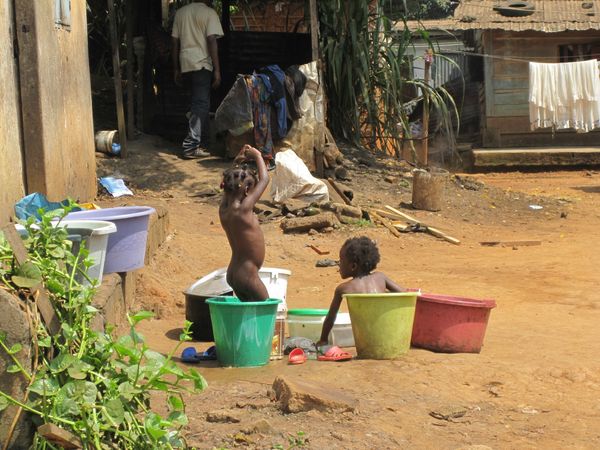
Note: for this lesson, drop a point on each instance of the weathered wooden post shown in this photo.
(428, 190)
(424, 150)
(114, 40)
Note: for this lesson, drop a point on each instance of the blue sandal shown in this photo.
(190, 355)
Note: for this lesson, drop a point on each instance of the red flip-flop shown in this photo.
(335, 354)
(297, 356)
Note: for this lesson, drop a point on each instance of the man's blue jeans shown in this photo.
(200, 82)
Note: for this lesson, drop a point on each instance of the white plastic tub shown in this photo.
(95, 235)
(341, 333)
(306, 323)
(215, 284)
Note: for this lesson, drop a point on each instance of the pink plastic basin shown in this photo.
(448, 324)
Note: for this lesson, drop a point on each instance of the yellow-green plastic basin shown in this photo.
(382, 323)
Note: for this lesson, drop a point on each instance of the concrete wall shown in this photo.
(11, 159)
(507, 87)
(56, 101)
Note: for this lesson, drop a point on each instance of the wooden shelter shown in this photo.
(507, 38)
(257, 33)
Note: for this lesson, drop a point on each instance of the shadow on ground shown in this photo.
(154, 164)
(588, 189)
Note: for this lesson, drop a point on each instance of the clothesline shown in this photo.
(508, 58)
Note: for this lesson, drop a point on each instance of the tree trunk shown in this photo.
(429, 189)
(302, 224)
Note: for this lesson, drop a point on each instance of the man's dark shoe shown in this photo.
(195, 154)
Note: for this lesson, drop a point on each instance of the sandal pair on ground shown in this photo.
(190, 355)
(297, 355)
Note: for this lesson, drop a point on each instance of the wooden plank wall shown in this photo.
(507, 87)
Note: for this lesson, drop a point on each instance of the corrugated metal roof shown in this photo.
(550, 16)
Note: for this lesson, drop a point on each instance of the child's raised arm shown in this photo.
(250, 153)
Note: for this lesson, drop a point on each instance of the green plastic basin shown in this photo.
(382, 323)
(243, 331)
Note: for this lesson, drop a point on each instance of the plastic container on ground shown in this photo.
(306, 323)
(278, 337)
(243, 330)
(215, 284)
(341, 333)
(95, 234)
(126, 249)
(105, 139)
(448, 324)
(382, 323)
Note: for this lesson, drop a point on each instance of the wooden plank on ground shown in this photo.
(59, 436)
(431, 230)
(389, 215)
(440, 234)
(510, 243)
(386, 223)
(401, 227)
(405, 216)
(38, 291)
(339, 191)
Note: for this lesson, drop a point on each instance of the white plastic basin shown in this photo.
(95, 234)
(215, 284)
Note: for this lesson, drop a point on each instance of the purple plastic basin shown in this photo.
(126, 248)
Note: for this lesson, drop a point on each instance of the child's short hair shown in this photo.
(236, 177)
(364, 252)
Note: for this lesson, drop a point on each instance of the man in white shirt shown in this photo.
(196, 29)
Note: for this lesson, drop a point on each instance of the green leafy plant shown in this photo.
(88, 382)
(299, 440)
(368, 75)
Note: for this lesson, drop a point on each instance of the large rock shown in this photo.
(298, 396)
(14, 323)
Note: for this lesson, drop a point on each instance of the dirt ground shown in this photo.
(536, 383)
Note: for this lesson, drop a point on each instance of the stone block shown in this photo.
(299, 396)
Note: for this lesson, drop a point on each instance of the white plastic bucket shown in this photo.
(215, 284)
(276, 281)
(95, 233)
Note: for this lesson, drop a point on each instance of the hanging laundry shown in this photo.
(564, 95)
(277, 81)
(260, 97)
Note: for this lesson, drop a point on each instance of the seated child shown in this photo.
(359, 256)
(242, 189)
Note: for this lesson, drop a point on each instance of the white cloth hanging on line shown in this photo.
(564, 95)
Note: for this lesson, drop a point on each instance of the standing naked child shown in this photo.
(242, 189)
(359, 256)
